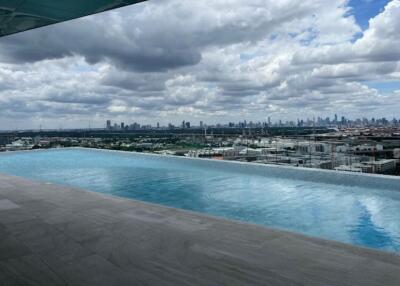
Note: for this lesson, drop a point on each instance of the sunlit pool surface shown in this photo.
(353, 214)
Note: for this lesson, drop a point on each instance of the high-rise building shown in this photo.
(108, 124)
(122, 125)
(201, 124)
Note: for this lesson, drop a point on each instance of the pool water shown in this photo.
(352, 214)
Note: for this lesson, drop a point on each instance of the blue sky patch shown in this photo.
(388, 86)
(364, 10)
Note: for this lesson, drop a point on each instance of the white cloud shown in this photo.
(207, 60)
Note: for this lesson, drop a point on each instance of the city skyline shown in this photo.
(300, 122)
(224, 60)
(320, 121)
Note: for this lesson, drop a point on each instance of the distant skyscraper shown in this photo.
(109, 124)
(201, 124)
(122, 125)
(158, 124)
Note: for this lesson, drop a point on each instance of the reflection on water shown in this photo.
(356, 215)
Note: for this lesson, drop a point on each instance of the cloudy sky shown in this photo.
(216, 61)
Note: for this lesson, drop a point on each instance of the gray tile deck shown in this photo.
(53, 235)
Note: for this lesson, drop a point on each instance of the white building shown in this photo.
(19, 145)
(352, 168)
(386, 166)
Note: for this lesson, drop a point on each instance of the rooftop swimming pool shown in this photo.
(356, 209)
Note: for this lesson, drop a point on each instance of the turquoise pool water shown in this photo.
(353, 214)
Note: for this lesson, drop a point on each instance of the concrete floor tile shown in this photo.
(11, 247)
(27, 271)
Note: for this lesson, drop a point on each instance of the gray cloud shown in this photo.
(222, 59)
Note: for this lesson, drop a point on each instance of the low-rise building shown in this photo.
(387, 166)
(20, 144)
(351, 168)
(396, 153)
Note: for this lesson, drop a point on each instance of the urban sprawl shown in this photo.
(360, 145)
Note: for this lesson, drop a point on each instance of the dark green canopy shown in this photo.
(20, 15)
